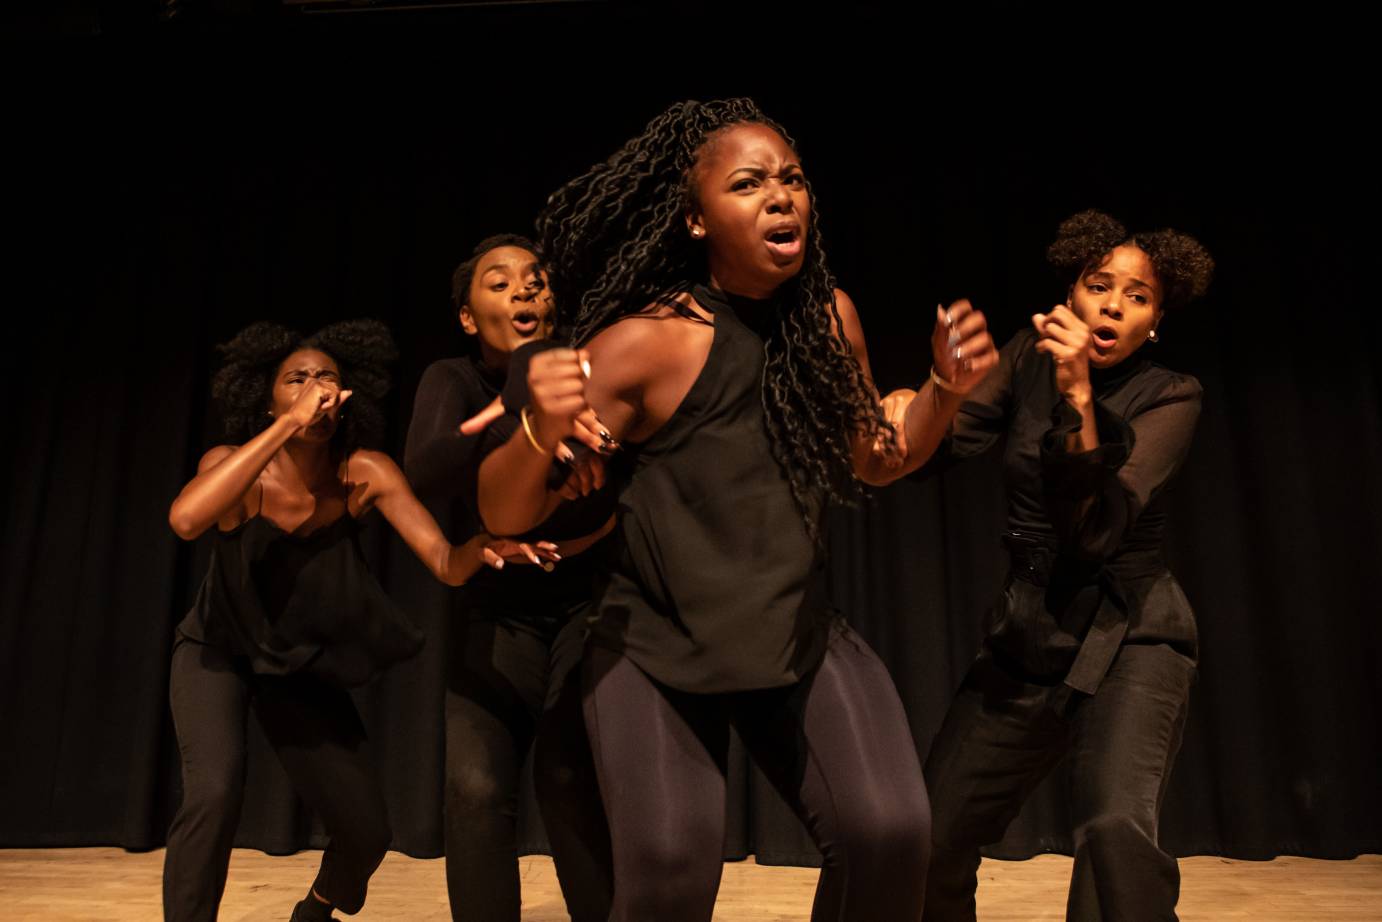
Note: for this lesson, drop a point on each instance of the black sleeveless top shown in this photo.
(714, 584)
(291, 604)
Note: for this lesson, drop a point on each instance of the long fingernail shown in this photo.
(604, 434)
(585, 367)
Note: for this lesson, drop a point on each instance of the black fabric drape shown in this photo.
(142, 254)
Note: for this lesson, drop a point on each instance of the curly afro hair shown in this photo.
(1183, 266)
(361, 349)
(465, 272)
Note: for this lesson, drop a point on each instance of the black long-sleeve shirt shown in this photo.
(443, 467)
(1087, 526)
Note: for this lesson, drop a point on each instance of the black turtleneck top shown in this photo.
(1086, 528)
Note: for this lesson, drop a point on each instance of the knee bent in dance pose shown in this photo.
(511, 682)
(714, 346)
(1092, 651)
(289, 616)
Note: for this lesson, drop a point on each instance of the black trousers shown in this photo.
(836, 746)
(1000, 737)
(317, 735)
(498, 703)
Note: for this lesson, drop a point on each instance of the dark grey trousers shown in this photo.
(1000, 737)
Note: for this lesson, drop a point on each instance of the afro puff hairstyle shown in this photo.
(361, 349)
(1183, 266)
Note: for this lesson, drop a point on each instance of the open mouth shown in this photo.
(784, 241)
(1104, 338)
(526, 322)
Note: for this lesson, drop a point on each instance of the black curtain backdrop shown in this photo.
(152, 218)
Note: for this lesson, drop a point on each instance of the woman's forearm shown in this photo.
(513, 492)
(1086, 438)
(927, 421)
(922, 428)
(462, 561)
(216, 490)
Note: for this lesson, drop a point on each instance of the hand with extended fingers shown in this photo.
(499, 550)
(961, 347)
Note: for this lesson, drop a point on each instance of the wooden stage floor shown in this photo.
(84, 884)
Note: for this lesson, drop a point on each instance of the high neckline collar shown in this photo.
(711, 297)
(1104, 379)
(493, 377)
(757, 314)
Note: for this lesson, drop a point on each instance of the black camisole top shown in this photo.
(299, 604)
(714, 584)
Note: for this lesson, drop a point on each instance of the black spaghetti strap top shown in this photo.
(714, 585)
(292, 604)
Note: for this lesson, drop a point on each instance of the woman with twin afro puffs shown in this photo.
(289, 615)
(1092, 650)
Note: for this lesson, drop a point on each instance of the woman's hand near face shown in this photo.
(1065, 338)
(315, 400)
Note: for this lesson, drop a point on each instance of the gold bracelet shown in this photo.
(528, 431)
(946, 385)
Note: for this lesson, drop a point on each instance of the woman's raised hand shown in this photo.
(1065, 337)
(556, 386)
(315, 400)
(961, 347)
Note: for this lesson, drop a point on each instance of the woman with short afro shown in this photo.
(289, 615)
(714, 346)
(1092, 647)
(512, 648)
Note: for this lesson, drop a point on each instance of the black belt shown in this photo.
(1034, 560)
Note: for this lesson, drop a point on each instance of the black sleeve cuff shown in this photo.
(1115, 440)
(515, 395)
